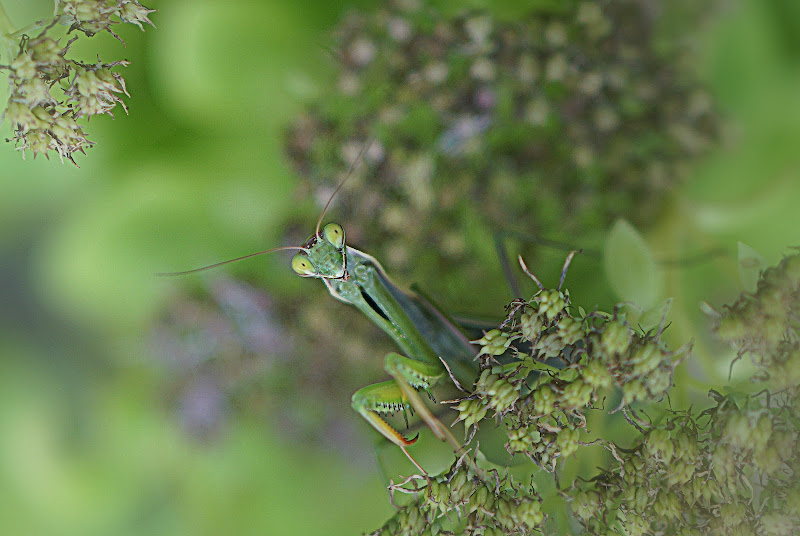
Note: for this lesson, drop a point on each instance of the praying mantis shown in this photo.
(433, 347)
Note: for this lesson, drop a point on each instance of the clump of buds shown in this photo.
(460, 502)
(561, 365)
(765, 325)
(50, 92)
(731, 469)
(534, 122)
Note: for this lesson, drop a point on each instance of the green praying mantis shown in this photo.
(433, 346)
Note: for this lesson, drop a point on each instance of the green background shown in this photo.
(89, 443)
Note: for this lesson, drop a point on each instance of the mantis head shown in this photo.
(323, 255)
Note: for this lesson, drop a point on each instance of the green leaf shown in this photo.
(630, 267)
(653, 316)
(751, 264)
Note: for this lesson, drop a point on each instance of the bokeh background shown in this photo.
(103, 431)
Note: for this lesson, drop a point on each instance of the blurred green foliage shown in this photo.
(91, 434)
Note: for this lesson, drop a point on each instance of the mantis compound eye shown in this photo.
(334, 234)
(303, 266)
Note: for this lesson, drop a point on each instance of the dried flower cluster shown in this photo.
(570, 363)
(731, 469)
(460, 502)
(50, 92)
(766, 325)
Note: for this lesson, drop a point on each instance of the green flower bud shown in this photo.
(645, 358)
(471, 411)
(723, 463)
(768, 460)
(596, 374)
(458, 481)
(762, 433)
(567, 442)
(660, 444)
(686, 447)
(46, 51)
(778, 524)
(529, 513)
(531, 325)
(658, 381)
(22, 117)
(503, 509)
(635, 525)
(518, 440)
(616, 337)
(570, 330)
(784, 442)
(550, 345)
(586, 504)
(633, 391)
(35, 92)
(486, 379)
(731, 329)
(737, 430)
(732, 514)
(576, 394)
(478, 499)
(133, 12)
(504, 395)
(680, 472)
(23, 66)
(494, 342)
(551, 303)
(667, 505)
(544, 399)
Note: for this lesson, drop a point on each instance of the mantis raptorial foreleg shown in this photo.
(409, 375)
(378, 399)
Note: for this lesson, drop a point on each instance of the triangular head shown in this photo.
(323, 255)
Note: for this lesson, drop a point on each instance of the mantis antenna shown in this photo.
(284, 248)
(339, 187)
(203, 268)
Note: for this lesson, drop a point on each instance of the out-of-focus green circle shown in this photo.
(233, 65)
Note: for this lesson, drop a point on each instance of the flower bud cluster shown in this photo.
(458, 502)
(50, 92)
(562, 366)
(701, 480)
(730, 470)
(450, 98)
(94, 16)
(766, 325)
